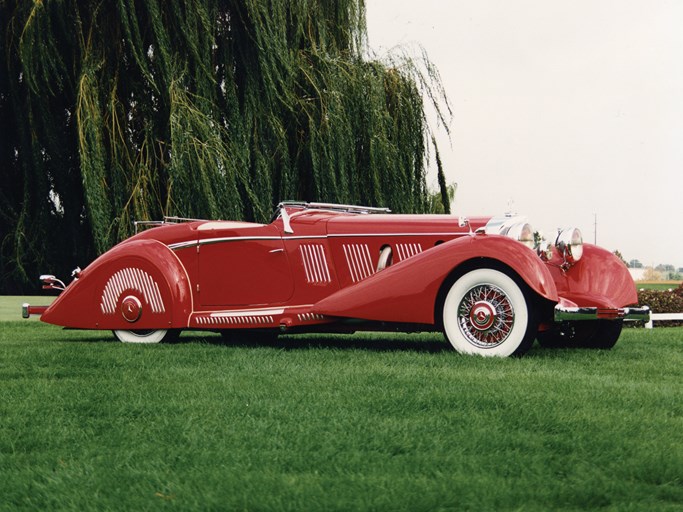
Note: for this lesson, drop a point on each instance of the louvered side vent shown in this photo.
(405, 251)
(315, 263)
(131, 279)
(310, 317)
(207, 320)
(359, 261)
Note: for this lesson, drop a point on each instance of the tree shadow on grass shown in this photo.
(75, 336)
(370, 341)
(417, 342)
(376, 342)
(384, 342)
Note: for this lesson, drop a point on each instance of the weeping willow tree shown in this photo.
(132, 109)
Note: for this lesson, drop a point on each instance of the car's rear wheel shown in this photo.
(486, 312)
(147, 336)
(234, 336)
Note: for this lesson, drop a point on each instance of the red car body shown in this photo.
(320, 267)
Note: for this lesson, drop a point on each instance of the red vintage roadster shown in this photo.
(490, 284)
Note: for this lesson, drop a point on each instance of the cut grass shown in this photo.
(657, 285)
(367, 422)
(10, 306)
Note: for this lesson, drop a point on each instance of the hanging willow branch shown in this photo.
(199, 108)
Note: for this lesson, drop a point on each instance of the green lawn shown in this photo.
(10, 305)
(654, 285)
(368, 422)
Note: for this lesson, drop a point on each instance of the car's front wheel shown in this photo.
(147, 336)
(598, 334)
(486, 312)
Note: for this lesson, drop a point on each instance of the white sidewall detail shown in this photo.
(132, 337)
(478, 277)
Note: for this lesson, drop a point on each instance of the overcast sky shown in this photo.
(567, 109)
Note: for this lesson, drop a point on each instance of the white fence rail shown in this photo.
(663, 316)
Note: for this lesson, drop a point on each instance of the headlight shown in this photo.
(515, 227)
(522, 232)
(570, 244)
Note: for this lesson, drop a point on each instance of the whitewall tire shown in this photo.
(487, 313)
(148, 336)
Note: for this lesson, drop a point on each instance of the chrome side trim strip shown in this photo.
(207, 241)
(253, 311)
(248, 312)
(194, 243)
(182, 245)
(360, 235)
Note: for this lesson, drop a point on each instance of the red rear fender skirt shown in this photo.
(139, 284)
(407, 291)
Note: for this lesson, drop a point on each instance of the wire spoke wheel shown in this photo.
(486, 316)
(486, 312)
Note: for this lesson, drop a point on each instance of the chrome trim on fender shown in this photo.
(183, 245)
(208, 241)
(563, 314)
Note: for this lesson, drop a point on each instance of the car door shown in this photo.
(242, 264)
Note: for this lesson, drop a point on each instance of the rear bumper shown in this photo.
(27, 310)
(564, 313)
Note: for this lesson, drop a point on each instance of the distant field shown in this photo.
(365, 422)
(657, 285)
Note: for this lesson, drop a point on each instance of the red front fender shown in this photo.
(407, 291)
(599, 279)
(145, 271)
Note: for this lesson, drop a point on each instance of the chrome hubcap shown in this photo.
(485, 316)
(131, 308)
(482, 315)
